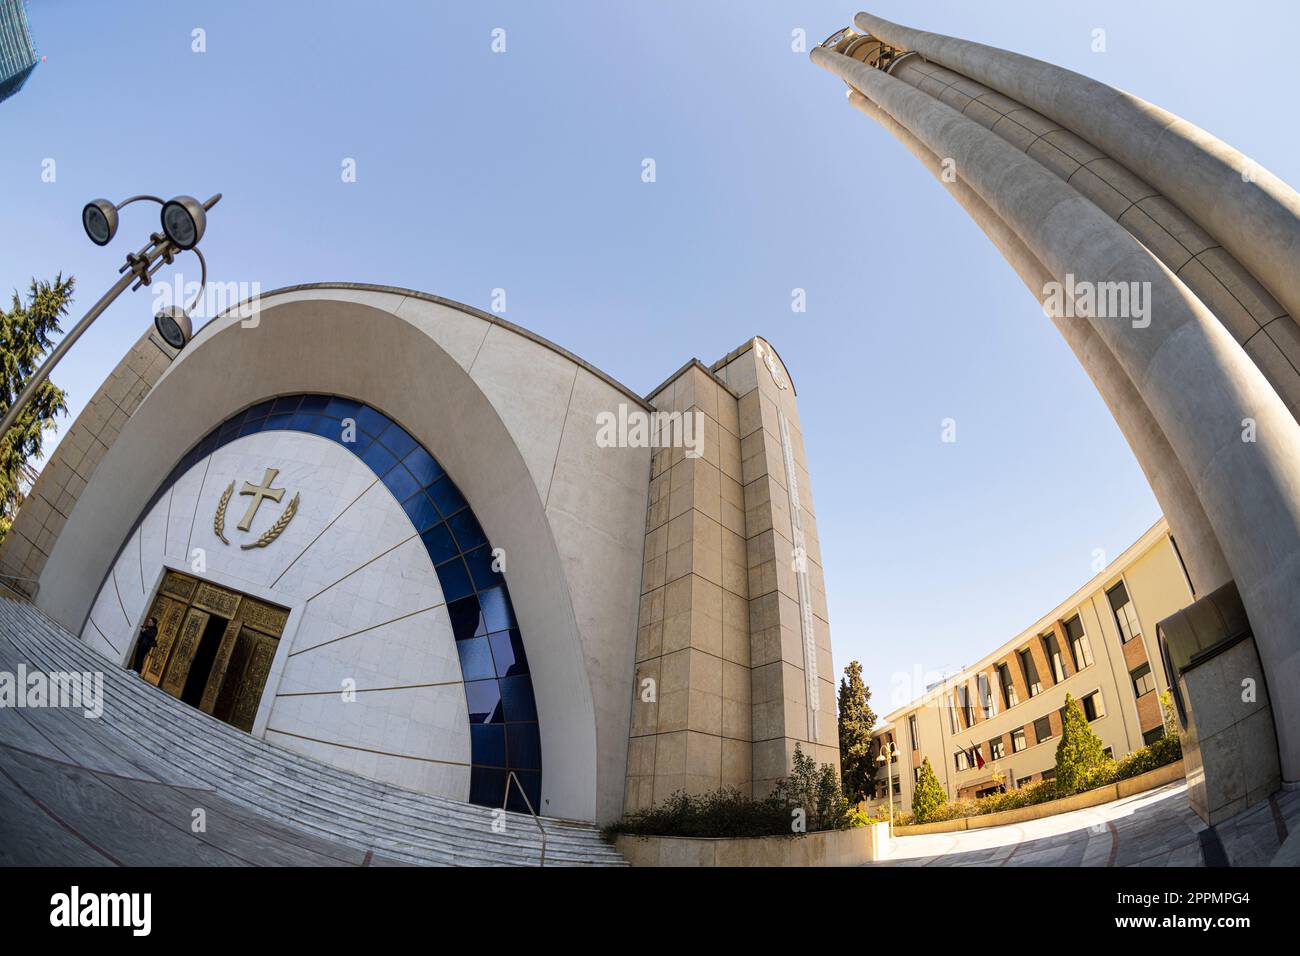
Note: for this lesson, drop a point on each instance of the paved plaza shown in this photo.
(1156, 828)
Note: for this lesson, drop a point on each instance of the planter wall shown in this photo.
(828, 848)
(1079, 801)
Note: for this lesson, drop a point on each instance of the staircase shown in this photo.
(152, 729)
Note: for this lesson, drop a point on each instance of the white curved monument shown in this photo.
(414, 541)
(1168, 262)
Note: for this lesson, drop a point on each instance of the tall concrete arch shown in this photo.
(1190, 373)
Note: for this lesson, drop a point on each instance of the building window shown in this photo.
(1049, 774)
(1125, 614)
(916, 774)
(1093, 708)
(962, 760)
(1151, 736)
(1009, 698)
(1031, 672)
(1080, 650)
(1053, 652)
(897, 788)
(996, 748)
(967, 706)
(1018, 742)
(986, 695)
(1042, 729)
(911, 731)
(952, 716)
(1144, 682)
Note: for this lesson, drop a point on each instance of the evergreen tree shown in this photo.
(25, 337)
(1079, 755)
(929, 794)
(855, 722)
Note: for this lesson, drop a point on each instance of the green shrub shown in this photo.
(929, 796)
(726, 812)
(1081, 760)
(1168, 749)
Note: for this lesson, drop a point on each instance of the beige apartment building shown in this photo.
(1098, 645)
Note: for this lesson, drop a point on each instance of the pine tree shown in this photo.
(855, 722)
(25, 337)
(929, 795)
(1079, 755)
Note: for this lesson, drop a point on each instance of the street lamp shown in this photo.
(886, 757)
(183, 221)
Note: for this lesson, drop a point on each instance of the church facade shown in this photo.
(411, 540)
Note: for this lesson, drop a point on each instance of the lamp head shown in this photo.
(183, 221)
(174, 325)
(99, 219)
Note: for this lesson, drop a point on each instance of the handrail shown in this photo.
(510, 775)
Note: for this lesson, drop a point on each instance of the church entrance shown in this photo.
(215, 647)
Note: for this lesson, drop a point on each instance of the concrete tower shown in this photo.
(1084, 187)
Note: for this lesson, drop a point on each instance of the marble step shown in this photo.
(235, 781)
(175, 749)
(368, 814)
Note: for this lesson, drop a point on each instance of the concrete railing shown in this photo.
(1079, 801)
(851, 847)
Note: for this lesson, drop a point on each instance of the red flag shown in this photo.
(979, 758)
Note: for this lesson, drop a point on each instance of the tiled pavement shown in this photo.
(1156, 828)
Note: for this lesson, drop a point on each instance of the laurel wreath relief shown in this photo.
(274, 531)
(219, 522)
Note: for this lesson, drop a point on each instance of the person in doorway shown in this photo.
(147, 642)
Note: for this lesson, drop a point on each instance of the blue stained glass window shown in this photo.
(497, 613)
(504, 733)
(475, 659)
(484, 700)
(480, 568)
(487, 786)
(465, 618)
(401, 484)
(525, 746)
(343, 408)
(454, 579)
(379, 458)
(421, 464)
(517, 696)
(446, 496)
(467, 531)
(437, 541)
(488, 746)
(396, 440)
(508, 653)
(315, 404)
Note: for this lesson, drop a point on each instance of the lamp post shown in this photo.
(183, 221)
(886, 757)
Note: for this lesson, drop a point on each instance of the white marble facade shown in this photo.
(364, 598)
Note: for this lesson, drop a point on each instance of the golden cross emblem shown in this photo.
(264, 490)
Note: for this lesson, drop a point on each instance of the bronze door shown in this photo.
(187, 608)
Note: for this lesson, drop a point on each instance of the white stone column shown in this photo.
(1197, 544)
(1253, 213)
(1197, 381)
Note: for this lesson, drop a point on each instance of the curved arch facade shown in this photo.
(511, 420)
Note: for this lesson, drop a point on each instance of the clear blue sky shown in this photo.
(522, 171)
